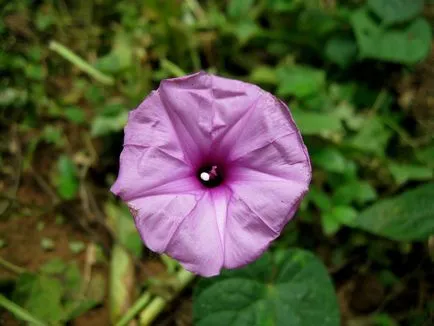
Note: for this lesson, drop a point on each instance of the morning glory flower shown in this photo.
(212, 169)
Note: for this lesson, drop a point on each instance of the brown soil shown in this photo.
(22, 231)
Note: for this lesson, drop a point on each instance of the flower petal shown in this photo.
(269, 198)
(158, 217)
(265, 121)
(188, 103)
(196, 244)
(257, 212)
(148, 171)
(150, 126)
(285, 157)
(246, 235)
(267, 187)
(232, 101)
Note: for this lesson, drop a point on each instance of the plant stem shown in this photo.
(196, 9)
(19, 312)
(11, 267)
(80, 63)
(135, 309)
(152, 311)
(157, 305)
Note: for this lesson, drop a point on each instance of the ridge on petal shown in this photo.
(196, 242)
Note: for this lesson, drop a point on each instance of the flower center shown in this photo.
(210, 176)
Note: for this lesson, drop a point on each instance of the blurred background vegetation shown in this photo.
(358, 76)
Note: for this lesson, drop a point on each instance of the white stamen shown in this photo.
(205, 176)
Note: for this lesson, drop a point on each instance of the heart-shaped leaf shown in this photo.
(290, 288)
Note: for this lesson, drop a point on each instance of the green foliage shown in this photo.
(288, 288)
(239, 8)
(396, 11)
(408, 172)
(53, 295)
(354, 191)
(121, 280)
(350, 73)
(372, 137)
(75, 114)
(407, 217)
(41, 295)
(300, 81)
(405, 45)
(311, 123)
(67, 181)
(113, 117)
(341, 50)
(338, 216)
(120, 57)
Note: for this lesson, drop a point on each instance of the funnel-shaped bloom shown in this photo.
(212, 170)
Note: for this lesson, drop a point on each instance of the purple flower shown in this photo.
(212, 170)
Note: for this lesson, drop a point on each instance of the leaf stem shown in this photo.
(80, 63)
(152, 311)
(11, 267)
(138, 306)
(19, 312)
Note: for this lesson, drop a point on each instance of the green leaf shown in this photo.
(372, 137)
(339, 215)
(396, 11)
(19, 312)
(319, 198)
(324, 22)
(120, 57)
(426, 155)
(121, 282)
(407, 217)
(284, 5)
(76, 246)
(41, 295)
(345, 111)
(383, 320)
(71, 280)
(292, 288)
(356, 191)
(319, 102)
(75, 114)
(408, 172)
(239, 8)
(408, 45)
(103, 125)
(330, 159)
(35, 72)
(313, 123)
(53, 135)
(263, 75)
(300, 81)
(67, 181)
(62, 284)
(341, 50)
(54, 266)
(245, 30)
(75, 309)
(330, 225)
